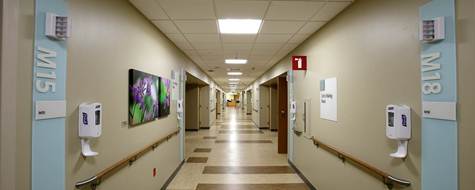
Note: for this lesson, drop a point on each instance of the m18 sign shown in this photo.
(299, 62)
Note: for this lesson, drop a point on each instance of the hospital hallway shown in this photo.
(234, 154)
(237, 94)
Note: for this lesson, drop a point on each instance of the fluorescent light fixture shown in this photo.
(239, 26)
(235, 61)
(233, 83)
(234, 79)
(234, 73)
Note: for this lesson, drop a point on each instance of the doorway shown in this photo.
(218, 104)
(273, 94)
(192, 102)
(249, 102)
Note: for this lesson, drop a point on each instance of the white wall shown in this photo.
(110, 37)
(369, 65)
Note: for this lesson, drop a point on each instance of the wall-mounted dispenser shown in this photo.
(179, 109)
(57, 27)
(398, 127)
(432, 30)
(90, 125)
(293, 109)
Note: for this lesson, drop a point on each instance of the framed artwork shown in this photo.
(143, 97)
(164, 97)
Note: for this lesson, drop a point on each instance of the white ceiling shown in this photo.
(192, 25)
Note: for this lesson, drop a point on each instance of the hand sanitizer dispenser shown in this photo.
(398, 127)
(90, 126)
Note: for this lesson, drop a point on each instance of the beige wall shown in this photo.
(466, 91)
(366, 47)
(108, 38)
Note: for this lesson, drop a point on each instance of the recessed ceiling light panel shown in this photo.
(234, 79)
(235, 61)
(235, 73)
(239, 26)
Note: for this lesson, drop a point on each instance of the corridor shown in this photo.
(234, 151)
(237, 94)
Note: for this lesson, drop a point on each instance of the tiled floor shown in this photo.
(241, 157)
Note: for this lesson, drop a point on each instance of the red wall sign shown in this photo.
(299, 62)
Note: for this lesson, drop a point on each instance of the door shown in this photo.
(218, 103)
(282, 129)
(264, 109)
(204, 107)
(274, 109)
(249, 103)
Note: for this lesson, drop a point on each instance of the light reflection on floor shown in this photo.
(233, 153)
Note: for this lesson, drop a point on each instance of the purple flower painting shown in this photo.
(164, 97)
(143, 97)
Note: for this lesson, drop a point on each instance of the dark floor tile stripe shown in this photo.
(243, 141)
(197, 160)
(282, 186)
(248, 170)
(241, 132)
(202, 150)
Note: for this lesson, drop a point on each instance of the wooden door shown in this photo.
(282, 130)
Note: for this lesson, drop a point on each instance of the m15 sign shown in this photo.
(299, 62)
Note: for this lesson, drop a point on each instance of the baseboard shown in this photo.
(204, 127)
(170, 179)
(248, 113)
(305, 180)
(273, 129)
(191, 129)
(264, 128)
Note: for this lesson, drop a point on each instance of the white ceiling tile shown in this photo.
(235, 38)
(259, 58)
(203, 38)
(299, 38)
(288, 47)
(210, 52)
(236, 53)
(166, 26)
(311, 27)
(330, 10)
(176, 38)
(207, 46)
(281, 27)
(241, 9)
(184, 46)
(188, 9)
(273, 38)
(237, 46)
(195, 26)
(293, 10)
(150, 9)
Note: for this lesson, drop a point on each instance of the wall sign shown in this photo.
(49, 92)
(328, 99)
(299, 62)
(439, 97)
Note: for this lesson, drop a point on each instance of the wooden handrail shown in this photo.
(387, 179)
(95, 180)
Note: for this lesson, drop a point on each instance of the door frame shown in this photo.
(8, 71)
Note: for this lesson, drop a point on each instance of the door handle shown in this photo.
(282, 112)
